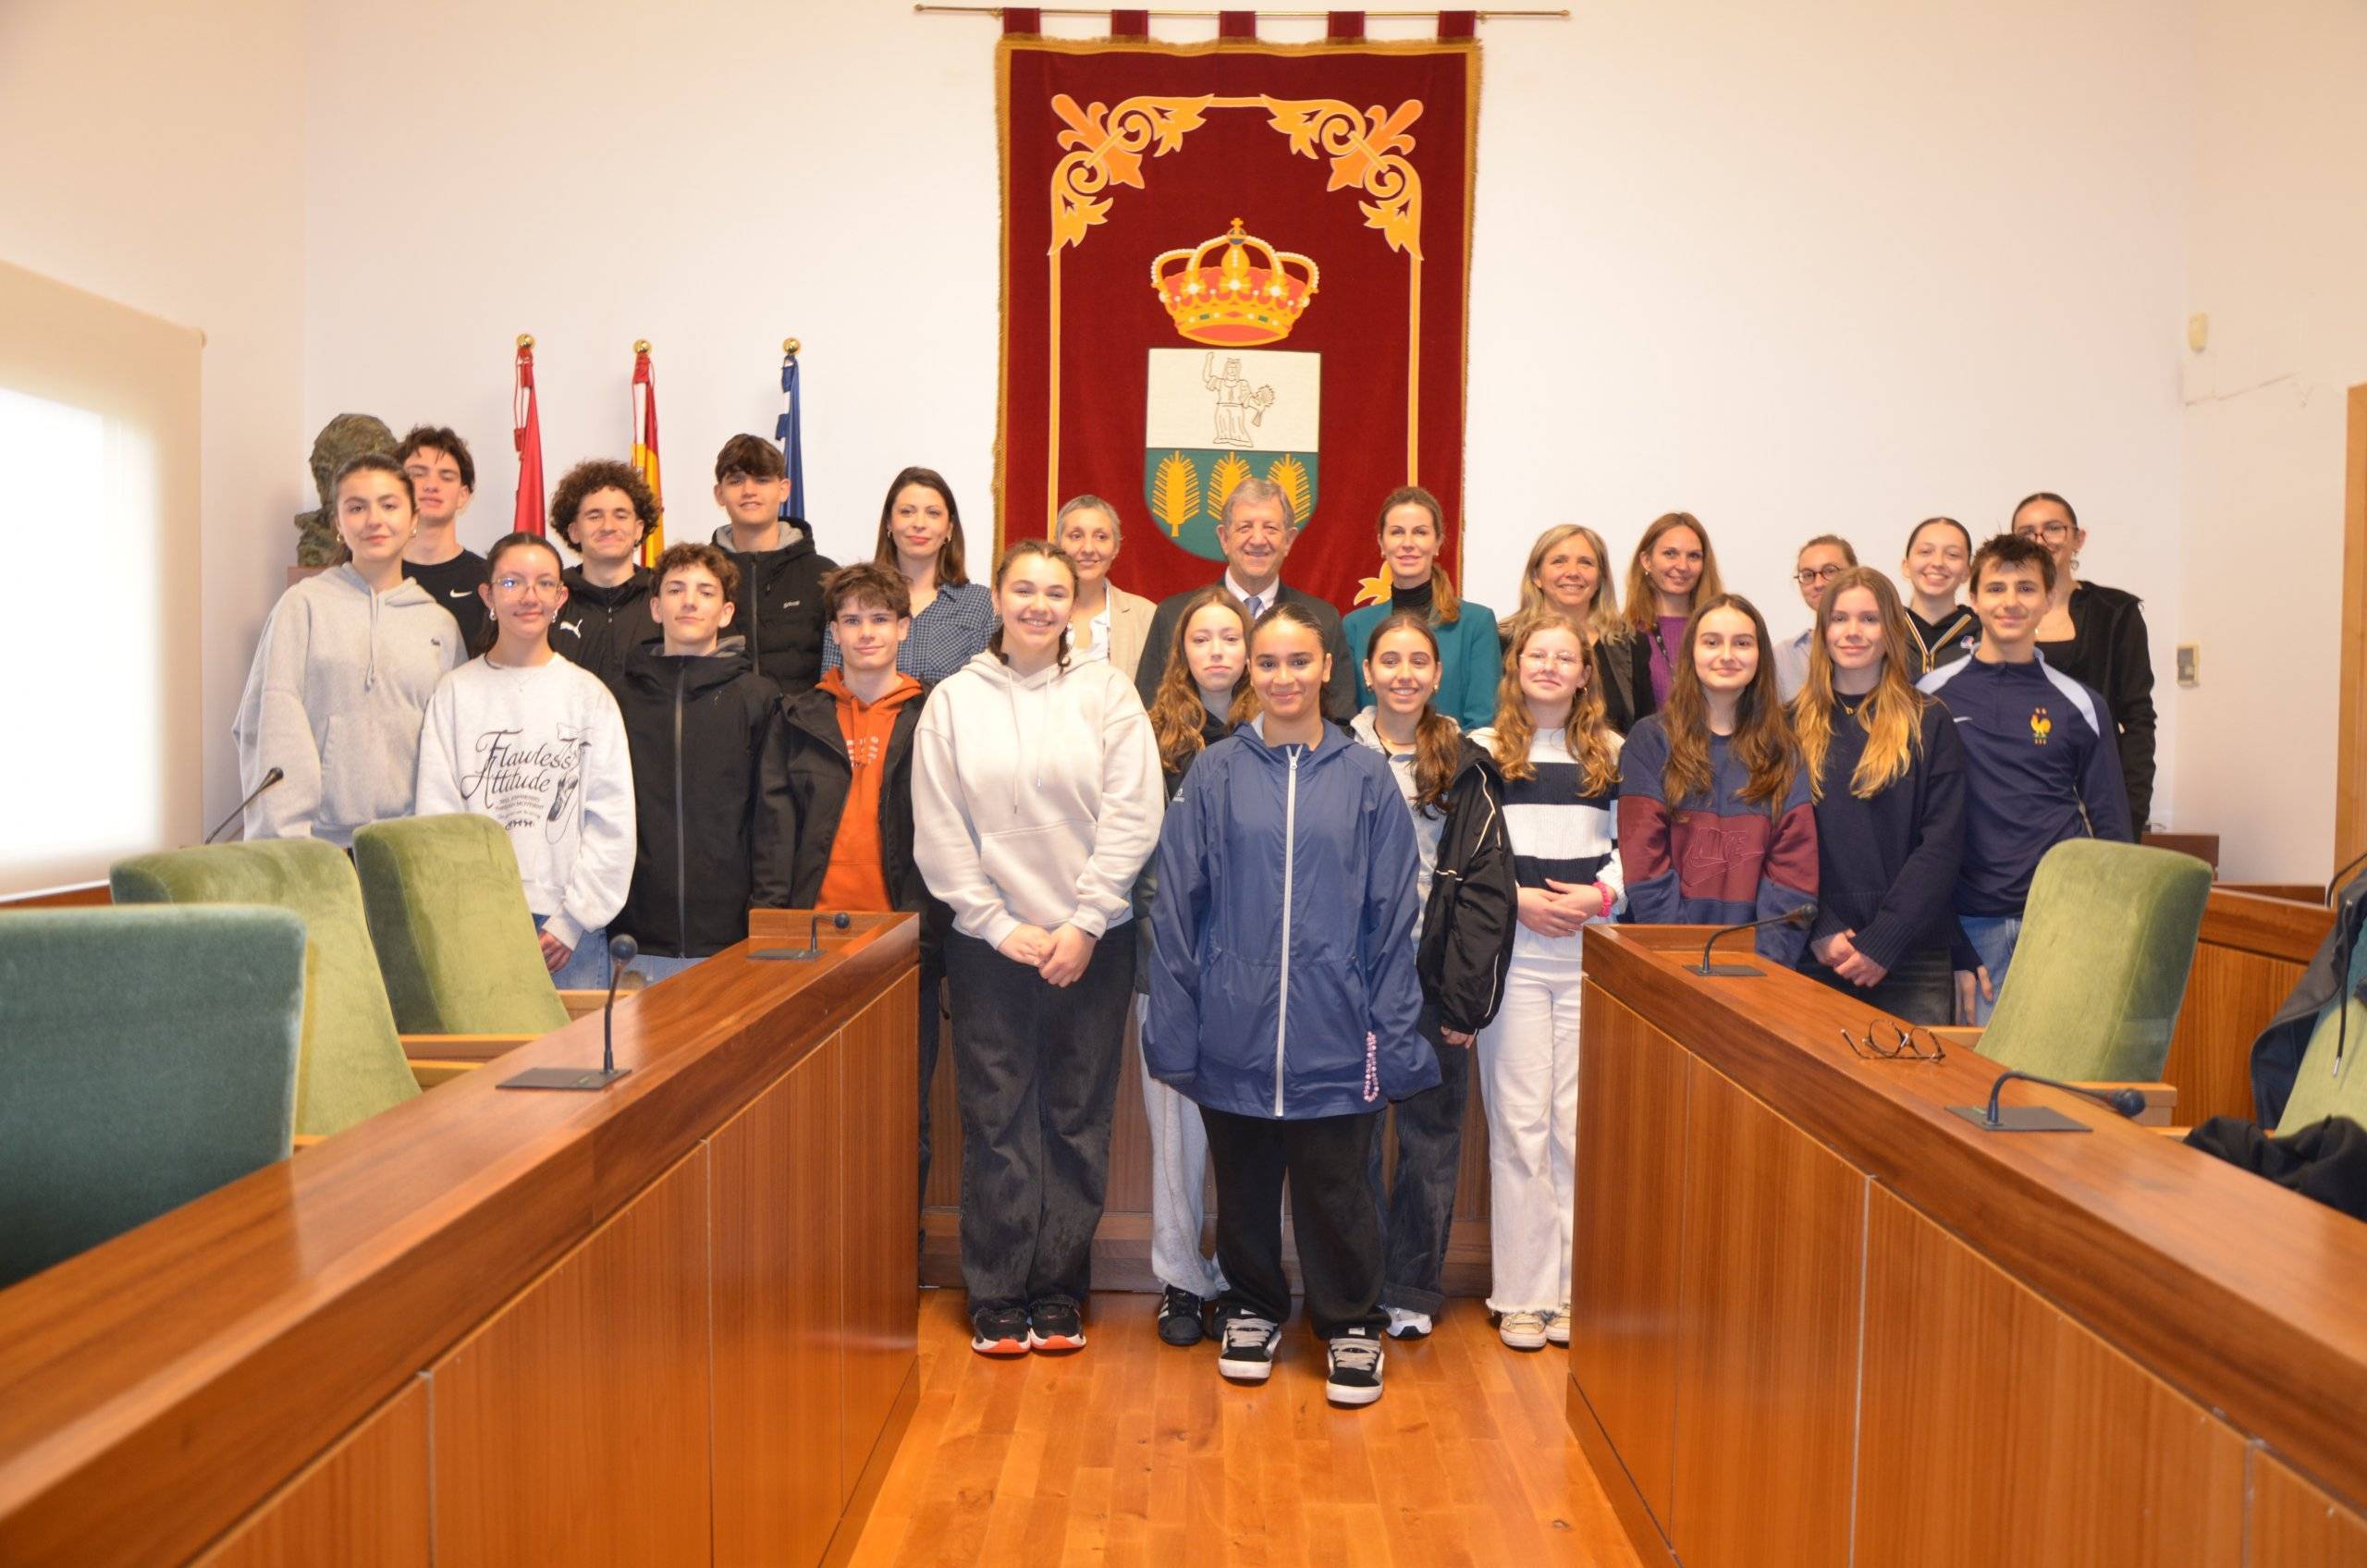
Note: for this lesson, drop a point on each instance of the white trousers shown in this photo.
(1179, 1176)
(1529, 1083)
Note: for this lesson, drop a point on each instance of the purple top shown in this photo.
(1671, 635)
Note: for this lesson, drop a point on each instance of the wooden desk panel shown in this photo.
(2296, 1526)
(878, 1328)
(1996, 1429)
(573, 1426)
(1768, 1308)
(1623, 1271)
(364, 1504)
(777, 1318)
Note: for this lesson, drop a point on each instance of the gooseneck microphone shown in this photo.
(622, 950)
(1800, 916)
(813, 947)
(1993, 1118)
(270, 778)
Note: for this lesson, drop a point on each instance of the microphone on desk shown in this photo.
(1800, 916)
(622, 950)
(813, 947)
(2038, 1118)
(273, 777)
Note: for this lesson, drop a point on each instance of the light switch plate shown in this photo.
(2190, 664)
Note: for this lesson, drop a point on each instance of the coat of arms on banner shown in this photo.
(1216, 417)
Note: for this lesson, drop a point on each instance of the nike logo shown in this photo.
(457, 594)
(790, 603)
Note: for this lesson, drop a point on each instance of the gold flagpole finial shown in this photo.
(525, 340)
(641, 345)
(791, 345)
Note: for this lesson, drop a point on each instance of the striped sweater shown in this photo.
(1558, 832)
(1714, 861)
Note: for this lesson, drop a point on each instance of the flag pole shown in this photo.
(644, 447)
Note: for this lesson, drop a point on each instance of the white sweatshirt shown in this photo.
(1036, 800)
(334, 699)
(541, 752)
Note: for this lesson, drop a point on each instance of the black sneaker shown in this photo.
(1248, 1352)
(1053, 1324)
(1180, 1317)
(1356, 1370)
(998, 1330)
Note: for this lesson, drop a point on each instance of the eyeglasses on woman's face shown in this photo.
(2051, 531)
(1810, 576)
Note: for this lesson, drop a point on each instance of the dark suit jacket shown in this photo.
(1339, 693)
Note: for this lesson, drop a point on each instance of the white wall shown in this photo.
(1830, 265)
(153, 158)
(2277, 256)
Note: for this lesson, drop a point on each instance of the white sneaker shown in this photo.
(1249, 1344)
(1407, 1325)
(1557, 1327)
(1522, 1330)
(1354, 1370)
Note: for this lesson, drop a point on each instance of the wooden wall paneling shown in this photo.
(2350, 777)
(362, 1504)
(2292, 1523)
(777, 1315)
(880, 1312)
(1774, 1226)
(1994, 1430)
(574, 1426)
(1628, 1229)
(2230, 996)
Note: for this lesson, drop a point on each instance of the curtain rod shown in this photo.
(1561, 15)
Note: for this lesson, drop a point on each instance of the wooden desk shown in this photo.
(1817, 1320)
(671, 1322)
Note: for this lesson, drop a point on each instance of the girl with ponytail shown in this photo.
(1454, 792)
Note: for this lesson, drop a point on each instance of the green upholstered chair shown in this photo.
(353, 1065)
(2325, 1086)
(2101, 967)
(148, 1057)
(456, 943)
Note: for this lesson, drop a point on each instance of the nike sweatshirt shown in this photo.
(1035, 799)
(339, 685)
(541, 752)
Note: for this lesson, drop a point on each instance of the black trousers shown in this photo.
(1922, 990)
(932, 1021)
(1419, 1210)
(1338, 1224)
(1036, 1069)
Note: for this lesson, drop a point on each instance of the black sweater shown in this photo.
(1886, 868)
(781, 607)
(2109, 651)
(599, 628)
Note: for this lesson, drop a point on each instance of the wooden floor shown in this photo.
(1133, 1452)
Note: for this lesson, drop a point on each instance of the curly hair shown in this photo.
(600, 473)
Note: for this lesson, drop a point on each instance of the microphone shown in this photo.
(2038, 1118)
(813, 947)
(1800, 916)
(273, 777)
(622, 950)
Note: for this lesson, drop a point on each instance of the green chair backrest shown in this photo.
(353, 1065)
(148, 1057)
(456, 942)
(2324, 1086)
(2101, 967)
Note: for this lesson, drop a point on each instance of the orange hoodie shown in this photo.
(853, 879)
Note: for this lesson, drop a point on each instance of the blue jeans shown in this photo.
(1993, 937)
(586, 968)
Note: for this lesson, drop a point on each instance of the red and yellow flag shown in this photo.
(526, 435)
(644, 448)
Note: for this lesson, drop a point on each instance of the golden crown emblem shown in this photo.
(1233, 300)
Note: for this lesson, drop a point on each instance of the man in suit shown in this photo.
(1256, 532)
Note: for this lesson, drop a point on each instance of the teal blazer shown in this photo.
(1470, 657)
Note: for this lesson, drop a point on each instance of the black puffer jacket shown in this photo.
(695, 728)
(1467, 925)
(599, 628)
(781, 607)
(806, 775)
(2111, 652)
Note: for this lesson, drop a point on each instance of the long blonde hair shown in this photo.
(1642, 606)
(1762, 739)
(1601, 623)
(1177, 714)
(1592, 744)
(1891, 714)
(1446, 604)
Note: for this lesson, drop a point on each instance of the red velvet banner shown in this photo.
(1232, 260)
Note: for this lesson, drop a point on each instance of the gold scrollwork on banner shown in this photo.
(1367, 151)
(1107, 147)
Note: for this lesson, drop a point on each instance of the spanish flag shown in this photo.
(644, 447)
(526, 435)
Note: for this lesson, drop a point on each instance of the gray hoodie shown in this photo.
(1035, 799)
(336, 698)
